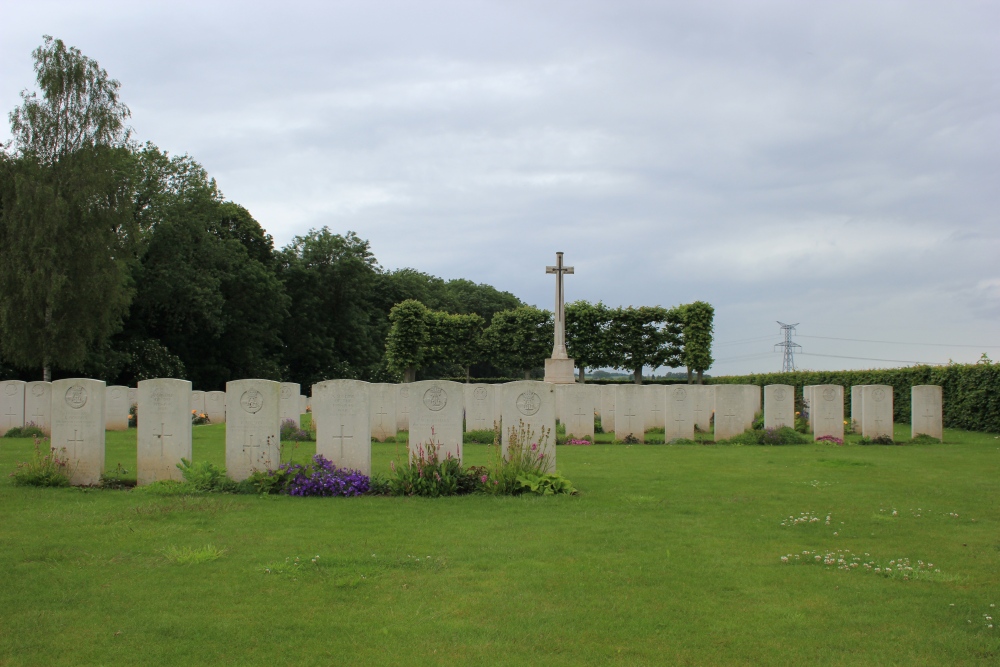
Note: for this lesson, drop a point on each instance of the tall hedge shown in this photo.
(971, 391)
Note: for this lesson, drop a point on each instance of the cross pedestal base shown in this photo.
(560, 371)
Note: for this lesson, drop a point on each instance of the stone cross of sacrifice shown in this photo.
(559, 346)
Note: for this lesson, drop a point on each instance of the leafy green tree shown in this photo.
(520, 338)
(68, 236)
(408, 340)
(698, 326)
(643, 336)
(334, 332)
(454, 340)
(587, 335)
(206, 285)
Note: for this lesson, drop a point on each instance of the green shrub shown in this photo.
(924, 439)
(29, 430)
(43, 469)
(479, 437)
(549, 484)
(769, 436)
(880, 440)
(379, 485)
(116, 479)
(205, 476)
(525, 457)
(426, 474)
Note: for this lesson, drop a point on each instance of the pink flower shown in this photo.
(483, 479)
(534, 446)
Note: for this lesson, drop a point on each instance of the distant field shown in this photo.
(670, 555)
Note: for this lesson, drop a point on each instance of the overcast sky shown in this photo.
(832, 164)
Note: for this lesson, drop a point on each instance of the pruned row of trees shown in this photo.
(521, 338)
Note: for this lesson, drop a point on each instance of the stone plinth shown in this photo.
(480, 407)
(78, 427)
(578, 410)
(827, 411)
(436, 411)
(532, 403)
(11, 405)
(383, 410)
(38, 405)
(731, 405)
(163, 435)
(876, 420)
(253, 418)
(630, 409)
(779, 406)
(116, 408)
(926, 411)
(560, 371)
(678, 412)
(341, 410)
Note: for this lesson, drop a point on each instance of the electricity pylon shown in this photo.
(788, 360)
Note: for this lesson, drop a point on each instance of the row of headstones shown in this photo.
(348, 413)
(342, 410)
(23, 403)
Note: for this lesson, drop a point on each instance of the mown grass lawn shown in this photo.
(669, 555)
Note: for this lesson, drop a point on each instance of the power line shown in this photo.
(896, 342)
(895, 361)
(746, 357)
(745, 340)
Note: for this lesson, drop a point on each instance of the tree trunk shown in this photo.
(689, 375)
(637, 376)
(527, 375)
(410, 375)
(583, 377)
(700, 377)
(467, 374)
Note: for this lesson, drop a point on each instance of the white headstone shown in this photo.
(480, 406)
(78, 427)
(198, 402)
(630, 409)
(608, 408)
(341, 411)
(808, 395)
(290, 403)
(751, 397)
(11, 405)
(678, 402)
(133, 396)
(926, 411)
(578, 408)
(731, 406)
(779, 406)
(402, 407)
(436, 409)
(654, 396)
(116, 408)
(215, 406)
(38, 405)
(252, 427)
(703, 406)
(827, 411)
(163, 434)
(857, 408)
(383, 410)
(876, 420)
(533, 404)
(12, 398)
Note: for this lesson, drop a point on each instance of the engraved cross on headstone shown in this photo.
(929, 420)
(630, 412)
(249, 444)
(341, 438)
(382, 413)
(161, 435)
(559, 345)
(580, 414)
(76, 438)
(11, 416)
